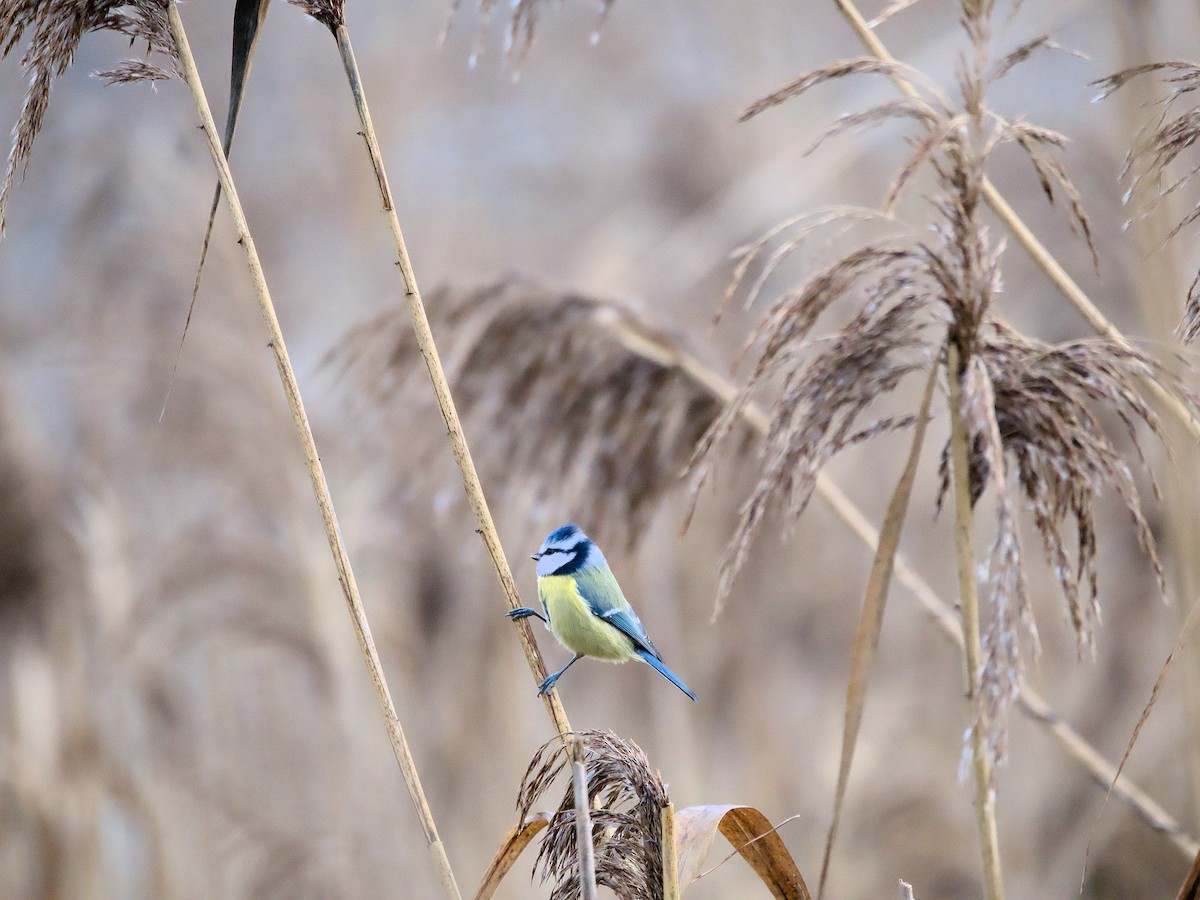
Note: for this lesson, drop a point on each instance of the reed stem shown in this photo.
(670, 853)
(441, 388)
(316, 472)
(964, 545)
(583, 824)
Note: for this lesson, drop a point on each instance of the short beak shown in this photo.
(536, 556)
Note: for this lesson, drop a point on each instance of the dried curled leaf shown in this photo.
(518, 838)
(579, 397)
(627, 798)
(57, 27)
(752, 836)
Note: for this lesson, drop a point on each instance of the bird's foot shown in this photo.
(524, 612)
(546, 686)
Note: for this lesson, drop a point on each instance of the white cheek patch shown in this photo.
(550, 561)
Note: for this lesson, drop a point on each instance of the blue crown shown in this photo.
(563, 532)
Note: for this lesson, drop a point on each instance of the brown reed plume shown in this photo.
(628, 797)
(563, 361)
(56, 29)
(1157, 148)
(1000, 405)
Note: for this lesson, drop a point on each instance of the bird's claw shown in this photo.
(546, 686)
(523, 612)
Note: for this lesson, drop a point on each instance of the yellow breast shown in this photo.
(574, 624)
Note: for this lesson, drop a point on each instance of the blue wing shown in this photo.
(599, 589)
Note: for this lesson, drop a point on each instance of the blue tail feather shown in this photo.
(661, 666)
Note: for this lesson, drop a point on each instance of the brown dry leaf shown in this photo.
(866, 638)
(751, 834)
(514, 844)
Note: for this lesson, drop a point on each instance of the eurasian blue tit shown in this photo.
(585, 609)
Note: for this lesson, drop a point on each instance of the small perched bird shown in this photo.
(585, 609)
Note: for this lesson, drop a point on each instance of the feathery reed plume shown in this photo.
(611, 427)
(627, 796)
(998, 406)
(57, 27)
(1045, 260)
(901, 286)
(816, 411)
(1155, 149)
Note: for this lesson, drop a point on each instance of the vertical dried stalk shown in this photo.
(458, 440)
(1157, 289)
(1066, 285)
(670, 852)
(320, 488)
(583, 825)
(964, 545)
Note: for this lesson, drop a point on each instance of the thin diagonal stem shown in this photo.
(441, 388)
(1066, 285)
(291, 391)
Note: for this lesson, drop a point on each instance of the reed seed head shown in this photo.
(57, 27)
(627, 797)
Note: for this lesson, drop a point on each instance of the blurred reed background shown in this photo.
(182, 710)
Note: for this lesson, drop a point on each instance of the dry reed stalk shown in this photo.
(291, 389)
(330, 13)
(583, 825)
(1045, 260)
(670, 849)
(964, 545)
(1157, 290)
